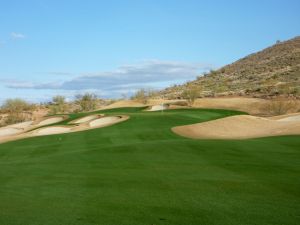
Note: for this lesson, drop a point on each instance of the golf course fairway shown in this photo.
(139, 172)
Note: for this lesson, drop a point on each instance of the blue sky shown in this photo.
(115, 47)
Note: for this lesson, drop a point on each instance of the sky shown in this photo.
(113, 48)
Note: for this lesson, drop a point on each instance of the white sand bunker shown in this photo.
(85, 119)
(158, 107)
(7, 131)
(51, 120)
(52, 130)
(239, 127)
(105, 121)
(12, 133)
(14, 129)
(22, 125)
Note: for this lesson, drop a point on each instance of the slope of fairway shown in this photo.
(139, 172)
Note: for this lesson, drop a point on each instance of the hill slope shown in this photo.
(271, 72)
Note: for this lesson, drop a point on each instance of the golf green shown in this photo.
(140, 173)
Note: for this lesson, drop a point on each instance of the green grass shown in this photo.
(140, 173)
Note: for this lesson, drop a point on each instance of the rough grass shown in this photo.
(138, 172)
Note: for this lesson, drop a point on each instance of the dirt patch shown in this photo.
(253, 106)
(240, 127)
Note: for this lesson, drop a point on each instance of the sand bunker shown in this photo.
(158, 107)
(51, 120)
(7, 131)
(240, 127)
(22, 125)
(85, 119)
(52, 130)
(105, 121)
(27, 129)
(291, 118)
(14, 129)
(124, 103)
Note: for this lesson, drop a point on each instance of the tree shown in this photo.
(87, 102)
(15, 108)
(191, 94)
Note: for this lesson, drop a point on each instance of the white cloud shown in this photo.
(15, 35)
(154, 74)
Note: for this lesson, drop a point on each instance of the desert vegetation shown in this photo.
(58, 105)
(282, 106)
(191, 94)
(272, 72)
(143, 95)
(17, 110)
(86, 102)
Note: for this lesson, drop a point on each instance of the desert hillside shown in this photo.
(274, 71)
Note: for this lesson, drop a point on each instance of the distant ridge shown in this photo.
(274, 71)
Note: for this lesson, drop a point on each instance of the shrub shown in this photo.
(87, 102)
(141, 95)
(282, 106)
(15, 109)
(58, 105)
(191, 94)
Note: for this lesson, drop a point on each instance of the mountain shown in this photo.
(274, 71)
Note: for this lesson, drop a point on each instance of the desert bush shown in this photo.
(191, 94)
(281, 106)
(58, 105)
(141, 95)
(15, 109)
(87, 101)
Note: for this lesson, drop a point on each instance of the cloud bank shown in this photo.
(154, 74)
